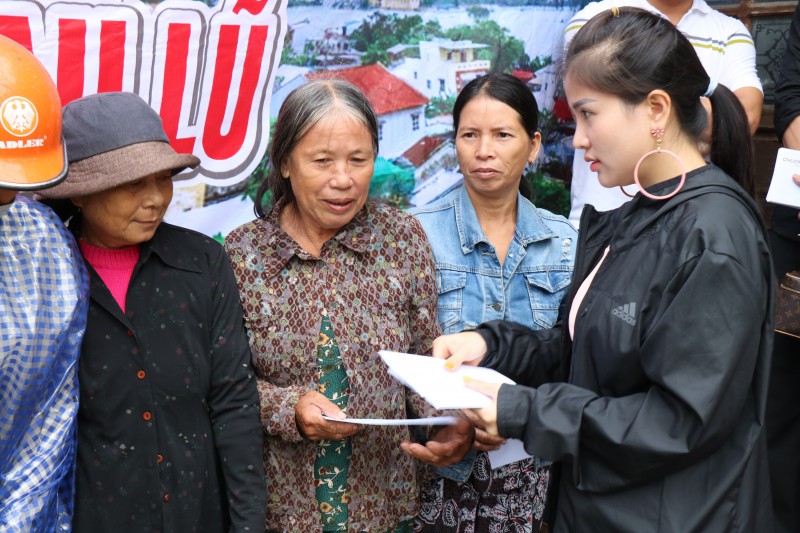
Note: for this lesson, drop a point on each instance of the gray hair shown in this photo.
(303, 109)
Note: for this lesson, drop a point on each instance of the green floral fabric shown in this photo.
(333, 456)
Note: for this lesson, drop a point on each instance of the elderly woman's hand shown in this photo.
(447, 447)
(308, 415)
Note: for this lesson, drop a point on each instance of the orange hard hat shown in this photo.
(32, 151)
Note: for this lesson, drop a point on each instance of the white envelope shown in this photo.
(782, 189)
(445, 389)
(441, 388)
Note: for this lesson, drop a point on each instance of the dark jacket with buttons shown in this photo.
(169, 437)
(655, 408)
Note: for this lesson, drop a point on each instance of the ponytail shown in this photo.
(731, 143)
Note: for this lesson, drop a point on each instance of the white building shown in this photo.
(443, 67)
(395, 4)
(543, 86)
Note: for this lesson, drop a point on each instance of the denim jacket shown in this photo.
(474, 287)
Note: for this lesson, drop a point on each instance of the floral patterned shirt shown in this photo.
(376, 280)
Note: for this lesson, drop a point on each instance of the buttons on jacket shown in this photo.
(496, 306)
(160, 458)
(130, 333)
(141, 374)
(147, 416)
(166, 497)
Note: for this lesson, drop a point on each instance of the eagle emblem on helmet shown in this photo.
(19, 116)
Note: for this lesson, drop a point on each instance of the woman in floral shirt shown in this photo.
(327, 279)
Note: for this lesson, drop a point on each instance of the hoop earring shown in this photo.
(658, 133)
(626, 193)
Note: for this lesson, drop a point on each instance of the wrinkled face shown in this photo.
(493, 147)
(125, 215)
(615, 135)
(330, 170)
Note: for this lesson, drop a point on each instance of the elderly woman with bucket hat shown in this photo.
(169, 437)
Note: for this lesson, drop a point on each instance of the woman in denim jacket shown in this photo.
(497, 257)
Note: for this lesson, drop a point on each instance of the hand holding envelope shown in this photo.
(469, 388)
(441, 387)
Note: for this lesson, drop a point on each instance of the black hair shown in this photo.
(504, 88)
(509, 90)
(631, 52)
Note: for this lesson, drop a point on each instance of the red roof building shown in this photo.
(523, 75)
(386, 92)
(422, 150)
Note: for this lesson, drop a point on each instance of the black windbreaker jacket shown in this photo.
(656, 408)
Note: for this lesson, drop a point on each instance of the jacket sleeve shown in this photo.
(699, 355)
(233, 405)
(529, 357)
(787, 90)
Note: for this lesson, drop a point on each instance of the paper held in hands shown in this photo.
(782, 189)
(431, 421)
(444, 389)
(441, 388)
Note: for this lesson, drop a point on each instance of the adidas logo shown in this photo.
(626, 312)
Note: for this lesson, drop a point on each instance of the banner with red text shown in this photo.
(208, 71)
(217, 71)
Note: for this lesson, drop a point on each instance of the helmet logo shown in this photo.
(19, 116)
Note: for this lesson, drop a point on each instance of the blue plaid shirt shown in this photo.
(43, 304)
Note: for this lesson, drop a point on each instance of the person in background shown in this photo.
(43, 302)
(783, 407)
(497, 257)
(653, 395)
(726, 51)
(328, 278)
(168, 431)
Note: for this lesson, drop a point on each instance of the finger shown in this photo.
(441, 347)
(444, 451)
(326, 406)
(472, 417)
(796, 178)
(340, 430)
(488, 439)
(333, 411)
(484, 387)
(455, 360)
(418, 451)
(485, 447)
(486, 442)
(341, 427)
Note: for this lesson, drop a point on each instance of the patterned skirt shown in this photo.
(509, 499)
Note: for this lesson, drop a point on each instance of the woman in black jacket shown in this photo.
(169, 437)
(652, 395)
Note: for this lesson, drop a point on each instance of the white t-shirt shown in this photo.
(725, 49)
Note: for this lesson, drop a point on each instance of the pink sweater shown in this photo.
(115, 267)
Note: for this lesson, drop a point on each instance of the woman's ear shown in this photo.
(659, 106)
(536, 144)
(77, 201)
(285, 168)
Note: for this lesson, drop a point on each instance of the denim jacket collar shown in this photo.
(530, 226)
